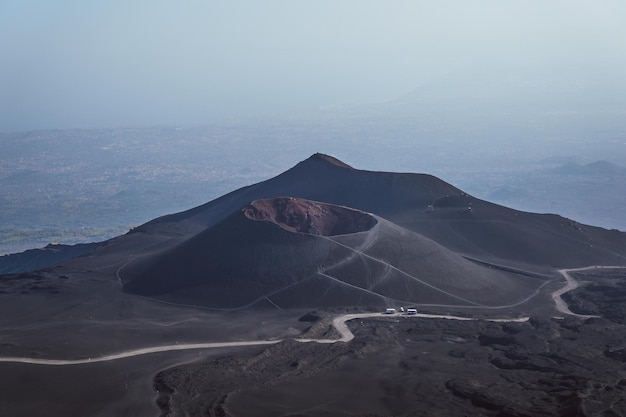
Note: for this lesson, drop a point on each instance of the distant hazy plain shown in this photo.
(74, 186)
(494, 97)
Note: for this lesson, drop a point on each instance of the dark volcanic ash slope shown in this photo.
(421, 203)
(244, 259)
(291, 252)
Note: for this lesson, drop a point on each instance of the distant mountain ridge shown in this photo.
(593, 168)
(34, 259)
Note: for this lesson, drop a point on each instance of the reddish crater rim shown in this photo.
(312, 217)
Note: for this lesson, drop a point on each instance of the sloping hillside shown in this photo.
(421, 203)
(292, 253)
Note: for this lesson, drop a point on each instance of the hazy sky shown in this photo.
(71, 63)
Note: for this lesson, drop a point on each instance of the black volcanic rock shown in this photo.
(417, 368)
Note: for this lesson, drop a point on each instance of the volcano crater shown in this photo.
(311, 217)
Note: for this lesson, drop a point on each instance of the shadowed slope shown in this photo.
(238, 261)
(297, 253)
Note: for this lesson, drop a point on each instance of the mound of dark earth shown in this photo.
(326, 234)
(291, 253)
(418, 202)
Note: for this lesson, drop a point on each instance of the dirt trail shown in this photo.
(135, 352)
(572, 284)
(339, 323)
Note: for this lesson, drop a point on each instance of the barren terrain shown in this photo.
(204, 312)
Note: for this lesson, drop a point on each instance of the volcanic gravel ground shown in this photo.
(406, 367)
(603, 292)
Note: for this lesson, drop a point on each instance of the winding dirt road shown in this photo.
(136, 352)
(339, 323)
(572, 284)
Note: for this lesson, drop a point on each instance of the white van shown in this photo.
(411, 311)
(390, 311)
